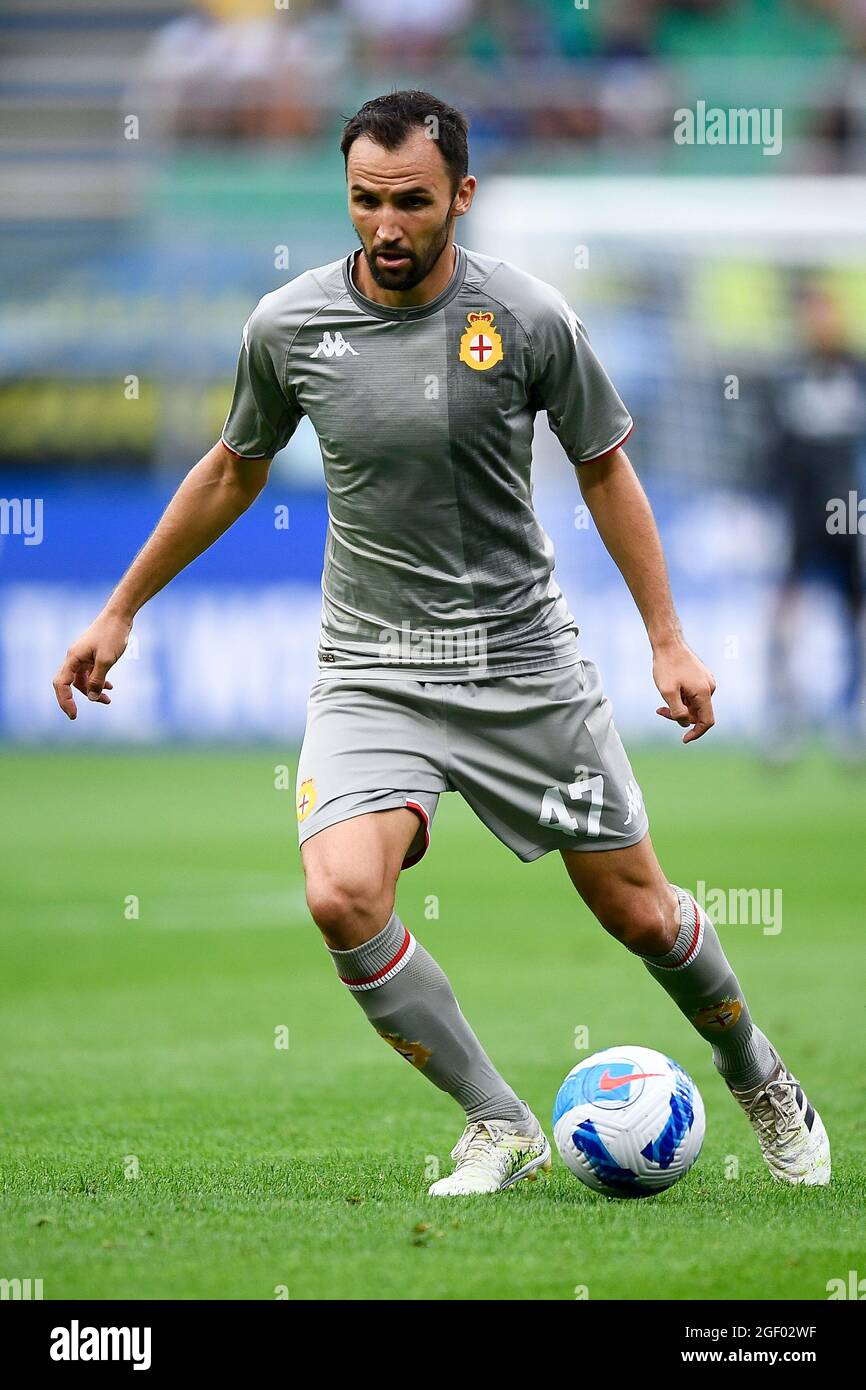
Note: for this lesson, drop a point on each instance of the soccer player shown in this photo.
(448, 655)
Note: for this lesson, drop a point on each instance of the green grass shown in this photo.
(151, 1042)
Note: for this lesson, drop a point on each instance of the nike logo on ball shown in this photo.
(611, 1083)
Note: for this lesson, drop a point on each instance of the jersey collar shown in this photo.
(418, 311)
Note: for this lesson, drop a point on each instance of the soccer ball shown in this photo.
(628, 1121)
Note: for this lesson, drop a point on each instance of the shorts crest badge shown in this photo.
(480, 345)
(306, 798)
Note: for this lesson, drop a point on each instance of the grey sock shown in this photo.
(411, 1005)
(702, 984)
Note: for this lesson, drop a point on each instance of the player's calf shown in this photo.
(698, 977)
(696, 974)
(411, 1004)
(643, 918)
(672, 935)
(351, 873)
(627, 892)
(679, 945)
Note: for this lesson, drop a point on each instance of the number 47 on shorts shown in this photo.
(555, 812)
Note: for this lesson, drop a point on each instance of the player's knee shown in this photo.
(348, 909)
(639, 918)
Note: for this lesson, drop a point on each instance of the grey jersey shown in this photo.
(436, 565)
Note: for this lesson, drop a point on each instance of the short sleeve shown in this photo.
(264, 413)
(583, 407)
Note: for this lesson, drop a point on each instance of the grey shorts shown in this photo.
(536, 756)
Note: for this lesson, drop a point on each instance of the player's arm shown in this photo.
(211, 497)
(591, 423)
(622, 513)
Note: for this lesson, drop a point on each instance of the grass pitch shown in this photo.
(159, 1143)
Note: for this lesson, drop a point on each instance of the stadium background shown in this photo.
(163, 166)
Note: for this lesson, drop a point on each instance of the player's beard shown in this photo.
(420, 267)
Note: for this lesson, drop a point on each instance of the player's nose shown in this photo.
(388, 236)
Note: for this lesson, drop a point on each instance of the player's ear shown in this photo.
(462, 201)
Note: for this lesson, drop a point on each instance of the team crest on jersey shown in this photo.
(481, 345)
(306, 798)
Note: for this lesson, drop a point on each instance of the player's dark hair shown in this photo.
(390, 119)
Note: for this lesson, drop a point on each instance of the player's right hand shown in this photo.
(88, 661)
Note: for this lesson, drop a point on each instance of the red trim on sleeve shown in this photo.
(612, 450)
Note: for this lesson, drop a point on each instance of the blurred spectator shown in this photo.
(417, 18)
(627, 30)
(544, 71)
(850, 15)
(415, 30)
(237, 75)
(818, 423)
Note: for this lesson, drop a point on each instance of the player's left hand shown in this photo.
(686, 685)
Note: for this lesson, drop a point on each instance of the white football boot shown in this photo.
(493, 1154)
(790, 1132)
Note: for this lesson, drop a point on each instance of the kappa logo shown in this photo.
(333, 346)
(634, 801)
(573, 321)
